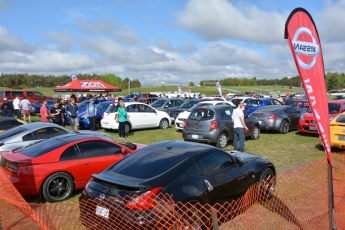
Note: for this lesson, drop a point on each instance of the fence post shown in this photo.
(214, 219)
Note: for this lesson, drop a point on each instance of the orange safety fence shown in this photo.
(300, 201)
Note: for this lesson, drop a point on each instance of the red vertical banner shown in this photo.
(305, 45)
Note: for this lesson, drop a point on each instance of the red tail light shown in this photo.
(273, 117)
(185, 123)
(145, 200)
(115, 116)
(213, 125)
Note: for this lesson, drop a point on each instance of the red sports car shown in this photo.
(307, 124)
(57, 166)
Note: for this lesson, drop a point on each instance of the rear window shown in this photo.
(147, 163)
(43, 147)
(333, 108)
(83, 104)
(202, 114)
(254, 103)
(111, 109)
(199, 105)
(188, 104)
(11, 132)
(341, 119)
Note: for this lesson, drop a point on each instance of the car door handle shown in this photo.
(208, 185)
(87, 164)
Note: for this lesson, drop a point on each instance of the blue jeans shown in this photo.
(239, 137)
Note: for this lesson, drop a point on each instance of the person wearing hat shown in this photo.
(91, 112)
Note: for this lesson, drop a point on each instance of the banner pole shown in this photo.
(331, 216)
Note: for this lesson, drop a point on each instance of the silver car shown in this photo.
(213, 124)
(27, 133)
(281, 118)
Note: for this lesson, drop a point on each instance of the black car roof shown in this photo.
(8, 119)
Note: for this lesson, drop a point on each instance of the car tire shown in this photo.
(58, 187)
(127, 127)
(191, 217)
(255, 133)
(222, 141)
(164, 124)
(267, 184)
(284, 127)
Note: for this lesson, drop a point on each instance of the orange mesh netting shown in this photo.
(300, 201)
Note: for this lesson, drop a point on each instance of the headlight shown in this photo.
(302, 118)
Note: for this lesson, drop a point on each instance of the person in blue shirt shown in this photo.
(122, 119)
(91, 112)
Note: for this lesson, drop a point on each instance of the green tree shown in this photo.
(191, 83)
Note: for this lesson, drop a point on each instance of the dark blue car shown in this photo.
(38, 104)
(82, 107)
(257, 103)
(84, 122)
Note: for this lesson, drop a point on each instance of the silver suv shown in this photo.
(213, 125)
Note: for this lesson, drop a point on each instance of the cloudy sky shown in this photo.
(174, 41)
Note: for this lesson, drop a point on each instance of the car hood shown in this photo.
(309, 116)
(178, 110)
(184, 114)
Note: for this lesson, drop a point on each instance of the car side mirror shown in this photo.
(239, 162)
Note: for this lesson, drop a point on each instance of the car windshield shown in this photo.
(333, 108)
(111, 109)
(42, 147)
(198, 106)
(254, 103)
(188, 104)
(83, 104)
(158, 103)
(341, 118)
(147, 163)
(101, 106)
(202, 114)
(12, 132)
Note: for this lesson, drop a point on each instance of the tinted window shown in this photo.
(276, 102)
(17, 93)
(147, 163)
(38, 94)
(101, 106)
(146, 109)
(215, 161)
(30, 94)
(48, 132)
(193, 170)
(343, 108)
(202, 114)
(98, 148)
(170, 103)
(290, 110)
(341, 119)
(333, 108)
(226, 114)
(179, 102)
(12, 132)
(69, 154)
(8, 93)
(254, 103)
(158, 103)
(29, 137)
(42, 147)
(111, 109)
(1, 93)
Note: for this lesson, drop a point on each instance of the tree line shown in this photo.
(23, 81)
(334, 81)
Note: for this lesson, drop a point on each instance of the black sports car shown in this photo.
(190, 172)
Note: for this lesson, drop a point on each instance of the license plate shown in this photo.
(105, 123)
(312, 128)
(195, 136)
(104, 212)
(181, 125)
(341, 138)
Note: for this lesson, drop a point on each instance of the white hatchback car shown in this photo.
(139, 116)
(184, 115)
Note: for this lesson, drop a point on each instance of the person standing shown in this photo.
(62, 112)
(72, 110)
(280, 99)
(239, 126)
(55, 112)
(25, 107)
(16, 106)
(7, 112)
(44, 112)
(122, 118)
(290, 100)
(91, 112)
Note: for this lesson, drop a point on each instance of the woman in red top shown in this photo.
(44, 112)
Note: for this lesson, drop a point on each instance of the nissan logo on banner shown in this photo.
(305, 47)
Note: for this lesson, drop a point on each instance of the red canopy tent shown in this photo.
(87, 86)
